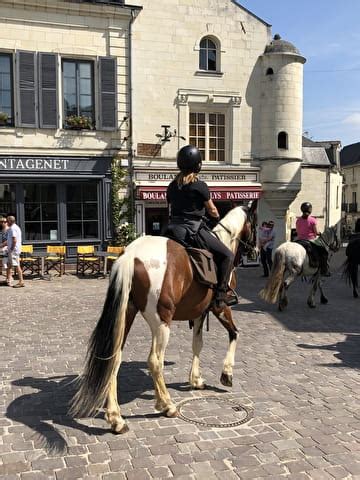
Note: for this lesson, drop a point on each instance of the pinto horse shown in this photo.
(290, 261)
(350, 271)
(154, 277)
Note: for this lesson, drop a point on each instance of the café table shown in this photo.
(42, 256)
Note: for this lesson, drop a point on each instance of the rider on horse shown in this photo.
(306, 229)
(189, 200)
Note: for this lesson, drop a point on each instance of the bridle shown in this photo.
(247, 244)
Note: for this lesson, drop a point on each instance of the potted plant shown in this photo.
(3, 118)
(79, 122)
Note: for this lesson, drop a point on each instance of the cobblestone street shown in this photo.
(296, 371)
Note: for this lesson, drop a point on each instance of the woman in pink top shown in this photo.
(306, 225)
(306, 229)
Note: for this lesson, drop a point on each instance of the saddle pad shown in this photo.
(203, 266)
(312, 252)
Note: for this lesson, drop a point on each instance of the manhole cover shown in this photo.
(214, 412)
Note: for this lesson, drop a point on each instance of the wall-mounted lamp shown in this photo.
(168, 134)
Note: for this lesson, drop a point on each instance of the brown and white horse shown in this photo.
(154, 276)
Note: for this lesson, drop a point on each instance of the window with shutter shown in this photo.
(27, 89)
(78, 91)
(6, 90)
(48, 90)
(107, 66)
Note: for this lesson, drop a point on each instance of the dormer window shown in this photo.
(209, 55)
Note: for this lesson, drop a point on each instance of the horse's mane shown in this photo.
(233, 221)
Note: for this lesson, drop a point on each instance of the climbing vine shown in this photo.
(124, 228)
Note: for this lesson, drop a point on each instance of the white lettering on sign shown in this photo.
(34, 164)
(206, 177)
(223, 195)
(153, 195)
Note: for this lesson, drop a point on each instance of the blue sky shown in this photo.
(327, 33)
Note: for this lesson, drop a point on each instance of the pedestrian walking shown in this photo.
(3, 231)
(13, 243)
(266, 239)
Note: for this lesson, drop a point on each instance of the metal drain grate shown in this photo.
(214, 411)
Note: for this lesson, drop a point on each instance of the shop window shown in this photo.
(207, 133)
(41, 215)
(209, 55)
(82, 211)
(7, 199)
(78, 87)
(6, 90)
(283, 140)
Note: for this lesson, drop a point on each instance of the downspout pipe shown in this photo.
(130, 130)
(327, 202)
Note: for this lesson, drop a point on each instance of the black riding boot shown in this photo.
(222, 298)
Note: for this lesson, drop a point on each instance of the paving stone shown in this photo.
(305, 424)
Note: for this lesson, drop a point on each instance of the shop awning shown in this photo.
(234, 193)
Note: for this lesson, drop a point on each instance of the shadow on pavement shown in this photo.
(42, 410)
(348, 351)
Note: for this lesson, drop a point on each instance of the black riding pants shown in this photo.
(223, 257)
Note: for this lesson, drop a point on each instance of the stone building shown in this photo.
(209, 73)
(321, 184)
(149, 78)
(63, 115)
(350, 164)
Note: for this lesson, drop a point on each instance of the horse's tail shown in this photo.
(271, 291)
(106, 341)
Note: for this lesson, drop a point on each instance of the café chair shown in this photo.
(117, 251)
(87, 260)
(28, 262)
(56, 259)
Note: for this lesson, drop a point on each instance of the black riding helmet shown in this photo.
(189, 159)
(306, 207)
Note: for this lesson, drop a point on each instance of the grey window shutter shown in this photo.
(107, 83)
(48, 98)
(27, 89)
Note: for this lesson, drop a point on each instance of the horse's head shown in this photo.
(248, 237)
(331, 238)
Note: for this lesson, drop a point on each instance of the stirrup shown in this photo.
(233, 299)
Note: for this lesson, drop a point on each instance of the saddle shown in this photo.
(314, 252)
(203, 266)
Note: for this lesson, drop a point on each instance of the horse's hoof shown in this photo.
(119, 430)
(356, 295)
(281, 307)
(171, 413)
(200, 386)
(324, 300)
(226, 380)
(311, 305)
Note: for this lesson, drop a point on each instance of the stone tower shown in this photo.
(281, 127)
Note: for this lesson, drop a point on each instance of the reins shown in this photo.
(247, 245)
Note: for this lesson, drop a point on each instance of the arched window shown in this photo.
(270, 71)
(283, 140)
(209, 55)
